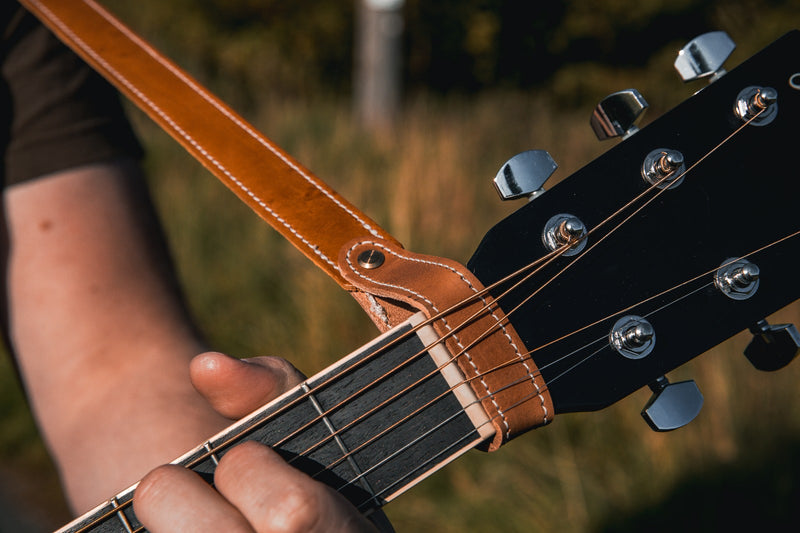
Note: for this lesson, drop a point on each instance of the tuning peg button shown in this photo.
(773, 346)
(704, 55)
(616, 114)
(524, 175)
(672, 405)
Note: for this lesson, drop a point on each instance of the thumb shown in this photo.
(236, 387)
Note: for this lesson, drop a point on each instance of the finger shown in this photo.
(275, 497)
(168, 499)
(236, 387)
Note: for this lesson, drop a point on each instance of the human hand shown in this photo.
(256, 491)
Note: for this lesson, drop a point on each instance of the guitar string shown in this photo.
(539, 373)
(101, 517)
(518, 381)
(436, 371)
(488, 307)
(546, 259)
(494, 327)
(530, 396)
(515, 361)
(566, 356)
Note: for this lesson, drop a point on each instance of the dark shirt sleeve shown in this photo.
(55, 112)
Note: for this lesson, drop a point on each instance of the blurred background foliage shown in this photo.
(483, 80)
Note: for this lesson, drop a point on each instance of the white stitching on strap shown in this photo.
(243, 125)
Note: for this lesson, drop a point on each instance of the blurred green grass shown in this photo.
(428, 183)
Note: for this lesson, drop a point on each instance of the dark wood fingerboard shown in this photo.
(370, 426)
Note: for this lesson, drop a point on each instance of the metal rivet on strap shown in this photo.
(370, 259)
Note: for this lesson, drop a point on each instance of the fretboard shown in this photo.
(370, 426)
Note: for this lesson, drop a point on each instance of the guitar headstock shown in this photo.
(685, 233)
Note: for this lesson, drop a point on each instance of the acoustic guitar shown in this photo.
(683, 234)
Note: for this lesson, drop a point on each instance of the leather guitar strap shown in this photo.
(300, 206)
(308, 213)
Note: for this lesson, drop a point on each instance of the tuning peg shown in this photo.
(704, 55)
(524, 175)
(672, 405)
(617, 113)
(773, 346)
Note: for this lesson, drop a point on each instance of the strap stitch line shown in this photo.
(184, 134)
(244, 126)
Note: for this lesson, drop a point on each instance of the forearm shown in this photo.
(100, 333)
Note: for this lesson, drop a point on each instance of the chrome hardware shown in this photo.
(754, 100)
(562, 230)
(703, 56)
(633, 337)
(370, 259)
(794, 81)
(773, 346)
(617, 113)
(664, 167)
(672, 405)
(524, 175)
(738, 279)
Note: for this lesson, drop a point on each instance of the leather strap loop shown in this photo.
(488, 350)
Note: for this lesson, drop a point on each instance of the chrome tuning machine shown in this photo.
(616, 114)
(672, 405)
(773, 346)
(524, 175)
(703, 56)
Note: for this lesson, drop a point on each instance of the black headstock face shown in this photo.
(739, 198)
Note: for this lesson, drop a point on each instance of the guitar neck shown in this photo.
(370, 426)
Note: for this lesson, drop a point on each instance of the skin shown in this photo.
(106, 351)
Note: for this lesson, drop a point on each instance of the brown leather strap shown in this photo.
(301, 207)
(487, 349)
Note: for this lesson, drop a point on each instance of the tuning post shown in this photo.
(703, 56)
(565, 230)
(616, 114)
(524, 175)
(759, 105)
(633, 337)
(738, 279)
(672, 405)
(664, 168)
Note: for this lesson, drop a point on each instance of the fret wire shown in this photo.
(394, 454)
(121, 515)
(350, 459)
(212, 453)
(484, 292)
(411, 473)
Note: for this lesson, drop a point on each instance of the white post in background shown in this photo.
(377, 79)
